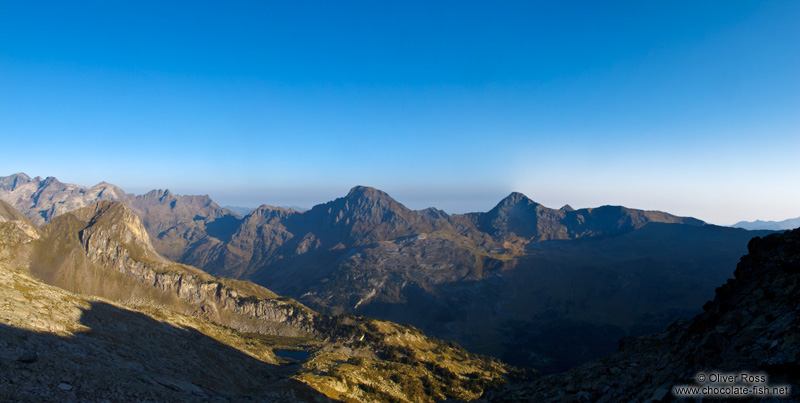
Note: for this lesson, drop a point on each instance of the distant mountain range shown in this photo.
(791, 223)
(539, 287)
(243, 211)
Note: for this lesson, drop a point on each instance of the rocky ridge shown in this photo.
(176, 224)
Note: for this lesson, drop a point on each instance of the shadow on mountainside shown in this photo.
(129, 356)
(223, 228)
(567, 302)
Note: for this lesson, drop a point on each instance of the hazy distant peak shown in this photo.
(50, 180)
(567, 207)
(11, 182)
(267, 207)
(106, 185)
(20, 176)
(791, 223)
(159, 194)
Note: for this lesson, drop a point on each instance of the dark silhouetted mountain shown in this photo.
(791, 223)
(518, 216)
(751, 327)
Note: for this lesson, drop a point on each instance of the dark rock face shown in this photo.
(752, 326)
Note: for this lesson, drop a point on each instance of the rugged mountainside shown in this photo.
(103, 251)
(751, 326)
(175, 223)
(513, 282)
(274, 245)
(41, 200)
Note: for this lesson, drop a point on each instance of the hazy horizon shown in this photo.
(410, 198)
(687, 108)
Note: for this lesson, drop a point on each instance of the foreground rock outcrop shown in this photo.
(56, 346)
(752, 326)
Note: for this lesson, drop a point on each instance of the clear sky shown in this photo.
(683, 106)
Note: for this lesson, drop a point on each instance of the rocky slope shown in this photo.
(56, 346)
(751, 327)
(103, 251)
(176, 224)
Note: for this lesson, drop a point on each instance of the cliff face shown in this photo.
(752, 326)
(95, 241)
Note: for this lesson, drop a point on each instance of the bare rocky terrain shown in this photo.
(92, 310)
(538, 287)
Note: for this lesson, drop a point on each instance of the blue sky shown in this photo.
(687, 107)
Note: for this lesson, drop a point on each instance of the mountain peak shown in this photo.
(20, 176)
(50, 180)
(365, 191)
(515, 199)
(11, 182)
(158, 194)
(361, 194)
